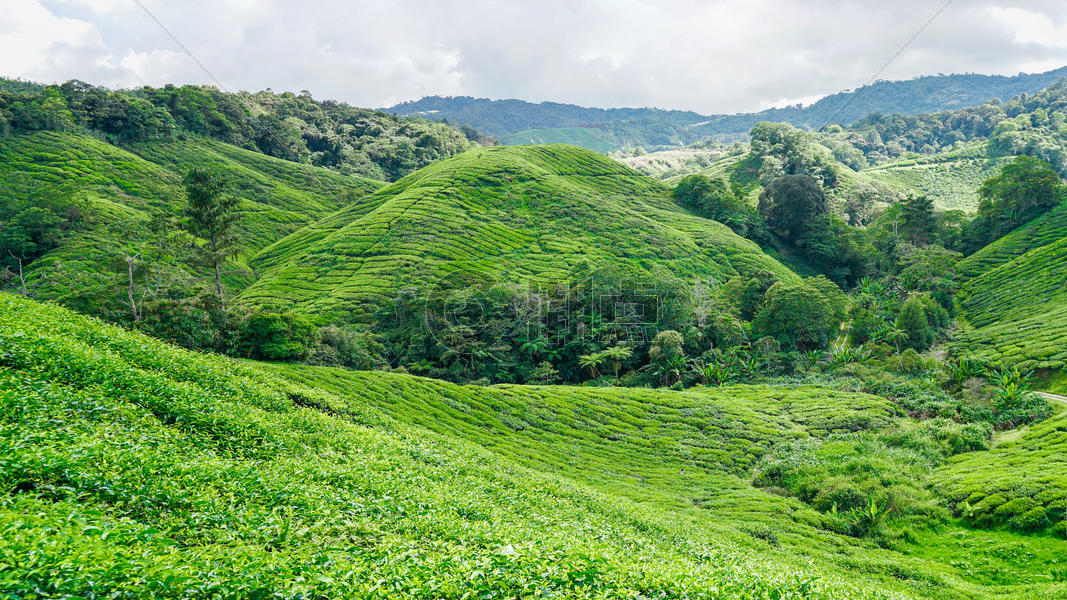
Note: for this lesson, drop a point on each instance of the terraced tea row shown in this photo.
(516, 214)
(116, 189)
(130, 466)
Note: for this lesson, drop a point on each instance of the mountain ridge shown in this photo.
(508, 119)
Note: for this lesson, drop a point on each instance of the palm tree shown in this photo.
(591, 362)
(617, 354)
(535, 348)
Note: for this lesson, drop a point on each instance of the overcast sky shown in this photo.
(707, 56)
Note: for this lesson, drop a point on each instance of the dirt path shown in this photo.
(1055, 397)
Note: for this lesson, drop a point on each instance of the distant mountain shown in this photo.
(518, 122)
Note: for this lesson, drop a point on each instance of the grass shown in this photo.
(131, 468)
(519, 213)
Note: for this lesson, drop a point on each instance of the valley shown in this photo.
(260, 345)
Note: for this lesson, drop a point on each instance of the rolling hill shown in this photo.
(116, 189)
(521, 214)
(519, 122)
(131, 466)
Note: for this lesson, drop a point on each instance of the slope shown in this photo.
(1043, 230)
(1027, 486)
(1019, 311)
(1015, 297)
(132, 468)
(530, 213)
(115, 190)
(950, 178)
(293, 127)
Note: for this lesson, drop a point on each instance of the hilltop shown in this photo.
(133, 466)
(520, 214)
(293, 127)
(604, 130)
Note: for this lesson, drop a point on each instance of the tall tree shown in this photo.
(1026, 188)
(211, 214)
(919, 221)
(789, 202)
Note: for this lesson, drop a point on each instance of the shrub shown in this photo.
(339, 346)
(277, 336)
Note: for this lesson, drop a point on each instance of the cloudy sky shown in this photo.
(711, 56)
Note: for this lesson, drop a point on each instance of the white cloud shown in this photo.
(1032, 27)
(710, 56)
(35, 43)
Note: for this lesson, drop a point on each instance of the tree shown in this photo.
(277, 336)
(896, 335)
(1024, 189)
(667, 356)
(714, 199)
(747, 294)
(591, 362)
(211, 214)
(799, 315)
(918, 220)
(789, 202)
(915, 324)
(617, 354)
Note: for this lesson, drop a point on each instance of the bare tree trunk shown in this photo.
(22, 278)
(130, 261)
(218, 285)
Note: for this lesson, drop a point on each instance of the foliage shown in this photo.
(800, 314)
(783, 150)
(293, 127)
(1025, 189)
(915, 323)
(791, 201)
(714, 199)
(211, 214)
(277, 336)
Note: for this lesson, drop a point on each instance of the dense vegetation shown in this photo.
(1026, 124)
(519, 122)
(293, 127)
(845, 367)
(132, 467)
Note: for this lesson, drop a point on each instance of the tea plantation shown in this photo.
(522, 213)
(133, 469)
(1017, 301)
(1026, 486)
(114, 189)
